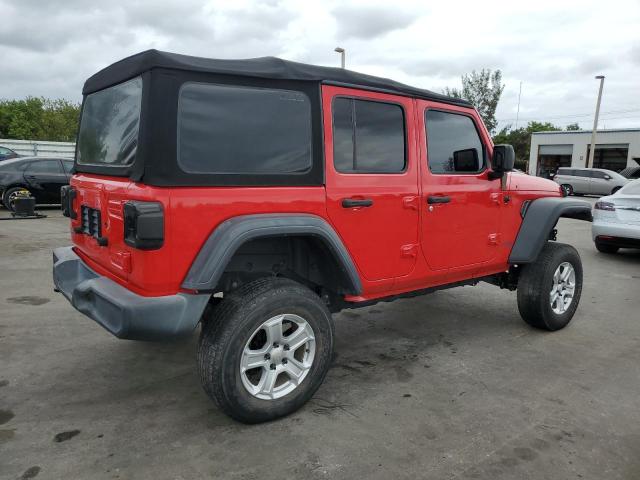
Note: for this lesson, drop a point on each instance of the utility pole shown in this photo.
(592, 149)
(341, 51)
(518, 113)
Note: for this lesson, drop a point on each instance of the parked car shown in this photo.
(616, 219)
(258, 196)
(631, 173)
(7, 153)
(588, 181)
(40, 177)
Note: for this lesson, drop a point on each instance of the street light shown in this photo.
(595, 124)
(341, 52)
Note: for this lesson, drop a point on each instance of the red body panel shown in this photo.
(398, 245)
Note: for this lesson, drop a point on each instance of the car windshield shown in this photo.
(631, 188)
(109, 125)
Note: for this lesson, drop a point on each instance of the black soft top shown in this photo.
(263, 67)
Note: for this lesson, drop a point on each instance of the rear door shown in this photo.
(372, 178)
(45, 178)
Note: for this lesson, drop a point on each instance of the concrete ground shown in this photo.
(450, 385)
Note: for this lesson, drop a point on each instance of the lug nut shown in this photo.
(267, 356)
(272, 366)
(284, 361)
(275, 345)
(286, 347)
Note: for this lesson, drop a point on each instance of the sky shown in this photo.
(555, 48)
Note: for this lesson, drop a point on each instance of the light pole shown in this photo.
(341, 52)
(518, 113)
(592, 149)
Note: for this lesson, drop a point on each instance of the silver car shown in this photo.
(616, 219)
(589, 181)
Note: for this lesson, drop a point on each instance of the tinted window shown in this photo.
(44, 167)
(68, 165)
(582, 173)
(109, 125)
(242, 130)
(453, 143)
(368, 137)
(564, 171)
(596, 174)
(4, 151)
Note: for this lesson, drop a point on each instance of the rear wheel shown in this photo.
(265, 349)
(605, 248)
(567, 189)
(549, 289)
(11, 194)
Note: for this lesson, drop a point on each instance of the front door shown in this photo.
(460, 204)
(372, 179)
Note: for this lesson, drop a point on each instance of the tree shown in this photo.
(39, 118)
(483, 89)
(520, 138)
(572, 127)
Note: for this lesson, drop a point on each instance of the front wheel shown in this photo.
(265, 349)
(549, 289)
(11, 194)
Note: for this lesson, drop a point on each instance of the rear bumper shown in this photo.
(123, 313)
(626, 233)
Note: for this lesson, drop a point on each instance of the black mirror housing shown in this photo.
(504, 158)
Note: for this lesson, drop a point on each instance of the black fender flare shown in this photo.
(224, 241)
(541, 216)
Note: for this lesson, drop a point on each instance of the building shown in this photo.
(615, 150)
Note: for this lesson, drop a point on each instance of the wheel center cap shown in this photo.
(277, 354)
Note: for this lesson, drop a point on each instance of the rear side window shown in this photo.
(564, 171)
(68, 165)
(242, 130)
(453, 143)
(44, 167)
(109, 125)
(368, 136)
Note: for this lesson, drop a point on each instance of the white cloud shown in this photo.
(554, 48)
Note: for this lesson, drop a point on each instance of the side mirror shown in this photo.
(607, 177)
(504, 157)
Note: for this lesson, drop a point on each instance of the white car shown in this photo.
(616, 219)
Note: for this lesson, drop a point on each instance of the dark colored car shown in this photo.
(259, 196)
(39, 176)
(7, 153)
(631, 173)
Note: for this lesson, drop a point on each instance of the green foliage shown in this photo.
(572, 127)
(483, 89)
(39, 118)
(520, 138)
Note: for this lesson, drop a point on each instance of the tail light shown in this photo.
(608, 206)
(144, 225)
(67, 197)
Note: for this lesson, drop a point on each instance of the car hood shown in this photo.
(523, 182)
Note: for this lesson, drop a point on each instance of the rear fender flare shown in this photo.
(541, 216)
(224, 241)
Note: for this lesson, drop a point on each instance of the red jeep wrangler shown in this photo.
(258, 196)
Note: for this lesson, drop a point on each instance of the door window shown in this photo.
(453, 143)
(44, 167)
(368, 136)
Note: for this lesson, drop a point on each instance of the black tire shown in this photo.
(232, 323)
(605, 248)
(567, 189)
(536, 282)
(6, 198)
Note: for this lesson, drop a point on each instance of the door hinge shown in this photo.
(494, 238)
(409, 251)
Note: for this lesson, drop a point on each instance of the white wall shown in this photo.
(37, 148)
(581, 141)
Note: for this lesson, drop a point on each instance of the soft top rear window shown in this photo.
(109, 125)
(226, 129)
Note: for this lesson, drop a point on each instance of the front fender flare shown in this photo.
(540, 218)
(224, 241)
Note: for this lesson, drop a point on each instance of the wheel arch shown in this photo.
(230, 236)
(540, 217)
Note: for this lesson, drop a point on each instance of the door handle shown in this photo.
(356, 202)
(431, 199)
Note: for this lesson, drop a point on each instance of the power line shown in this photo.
(575, 115)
